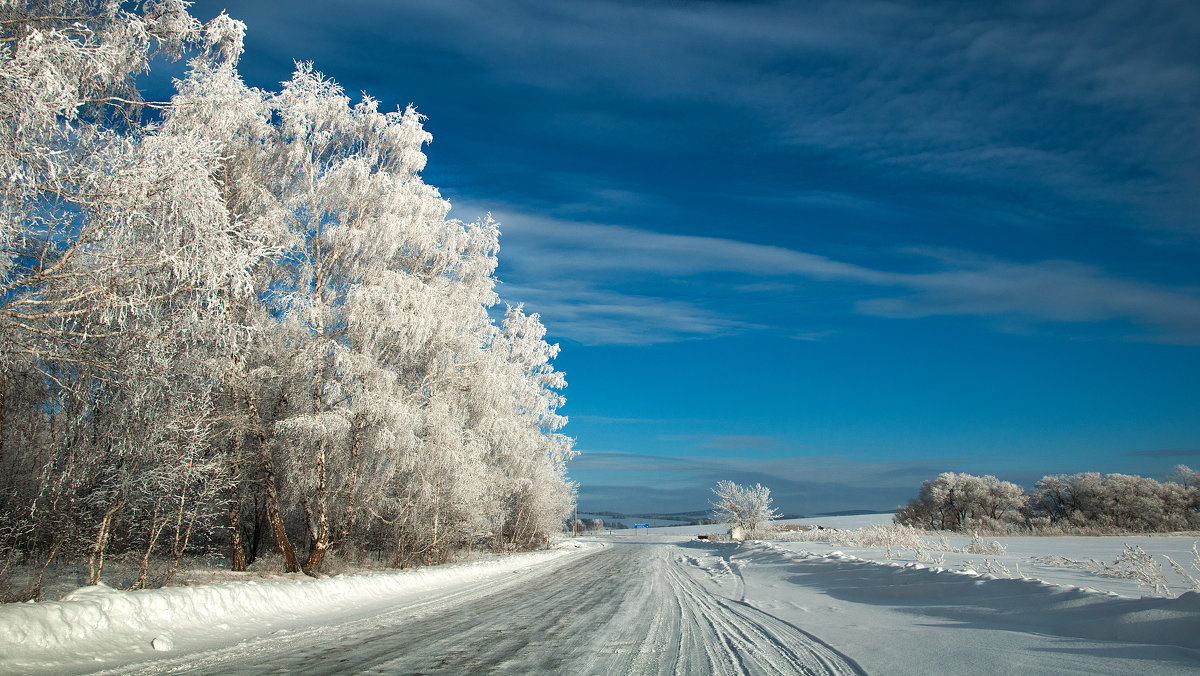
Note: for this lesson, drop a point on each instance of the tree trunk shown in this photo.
(3, 397)
(258, 532)
(402, 521)
(516, 534)
(347, 529)
(181, 543)
(156, 530)
(235, 536)
(96, 560)
(37, 588)
(274, 517)
(320, 541)
(237, 548)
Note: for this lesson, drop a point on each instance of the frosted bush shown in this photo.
(883, 535)
(1192, 582)
(880, 535)
(990, 567)
(922, 555)
(1134, 564)
(978, 546)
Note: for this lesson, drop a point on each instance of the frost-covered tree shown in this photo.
(1185, 476)
(1088, 501)
(1114, 502)
(963, 502)
(102, 218)
(240, 318)
(519, 422)
(113, 247)
(745, 507)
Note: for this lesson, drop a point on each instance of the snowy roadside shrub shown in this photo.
(891, 536)
(1137, 564)
(922, 555)
(990, 567)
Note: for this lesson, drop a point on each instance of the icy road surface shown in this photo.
(629, 607)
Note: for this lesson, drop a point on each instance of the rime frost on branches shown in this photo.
(745, 507)
(1088, 502)
(242, 318)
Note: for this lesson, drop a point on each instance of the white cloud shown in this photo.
(1047, 291)
(579, 276)
(601, 317)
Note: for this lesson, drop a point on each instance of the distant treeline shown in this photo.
(1086, 503)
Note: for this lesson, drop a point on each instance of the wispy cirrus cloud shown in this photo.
(739, 442)
(598, 316)
(1049, 291)
(1025, 113)
(575, 274)
(1078, 105)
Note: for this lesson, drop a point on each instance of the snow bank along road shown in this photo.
(627, 605)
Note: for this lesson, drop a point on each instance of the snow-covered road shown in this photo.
(646, 604)
(627, 608)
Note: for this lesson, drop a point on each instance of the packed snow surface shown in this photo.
(644, 603)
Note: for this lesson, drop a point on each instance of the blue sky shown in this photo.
(835, 248)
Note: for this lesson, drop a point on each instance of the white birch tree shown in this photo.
(245, 307)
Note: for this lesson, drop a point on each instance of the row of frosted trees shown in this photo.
(239, 321)
(1087, 503)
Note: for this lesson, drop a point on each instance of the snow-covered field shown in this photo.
(902, 616)
(657, 602)
(1043, 558)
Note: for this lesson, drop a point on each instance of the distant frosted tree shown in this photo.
(1088, 501)
(1116, 502)
(1184, 476)
(953, 501)
(745, 507)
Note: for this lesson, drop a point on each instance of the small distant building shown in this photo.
(737, 533)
